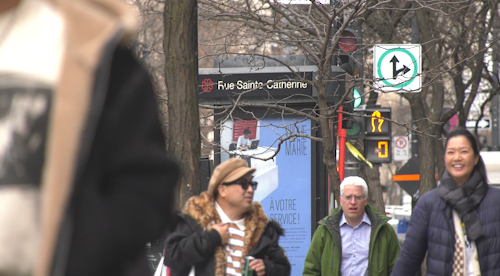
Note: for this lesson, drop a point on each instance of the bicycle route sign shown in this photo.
(397, 68)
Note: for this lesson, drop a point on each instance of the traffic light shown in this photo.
(357, 96)
(378, 150)
(357, 131)
(376, 124)
(350, 51)
(378, 135)
(350, 59)
(346, 119)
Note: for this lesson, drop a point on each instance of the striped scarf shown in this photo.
(234, 251)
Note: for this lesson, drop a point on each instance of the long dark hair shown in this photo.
(460, 131)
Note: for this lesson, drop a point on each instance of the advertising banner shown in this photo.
(284, 188)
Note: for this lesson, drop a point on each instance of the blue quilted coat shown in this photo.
(432, 230)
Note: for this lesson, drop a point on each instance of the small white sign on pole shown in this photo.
(485, 123)
(401, 148)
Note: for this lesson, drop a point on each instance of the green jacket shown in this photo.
(325, 252)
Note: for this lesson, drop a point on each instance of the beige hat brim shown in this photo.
(229, 171)
(237, 174)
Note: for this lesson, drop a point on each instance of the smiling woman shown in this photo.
(460, 158)
(465, 229)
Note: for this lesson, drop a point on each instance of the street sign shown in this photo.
(397, 68)
(484, 123)
(408, 177)
(401, 148)
(255, 85)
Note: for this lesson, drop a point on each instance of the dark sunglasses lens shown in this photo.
(244, 184)
(254, 185)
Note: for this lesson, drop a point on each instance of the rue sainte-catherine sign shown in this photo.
(277, 84)
(397, 68)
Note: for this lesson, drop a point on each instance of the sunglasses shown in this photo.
(244, 184)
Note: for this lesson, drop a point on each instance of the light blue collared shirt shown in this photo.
(355, 247)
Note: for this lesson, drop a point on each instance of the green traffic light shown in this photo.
(356, 128)
(357, 98)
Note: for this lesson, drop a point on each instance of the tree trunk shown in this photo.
(439, 153)
(424, 114)
(372, 178)
(329, 156)
(181, 70)
(426, 146)
(427, 164)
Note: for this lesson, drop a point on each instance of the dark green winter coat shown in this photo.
(325, 252)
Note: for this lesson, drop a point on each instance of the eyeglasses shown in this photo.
(356, 198)
(244, 184)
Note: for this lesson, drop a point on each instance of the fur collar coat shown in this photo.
(202, 210)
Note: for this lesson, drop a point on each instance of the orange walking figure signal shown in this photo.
(376, 114)
(378, 138)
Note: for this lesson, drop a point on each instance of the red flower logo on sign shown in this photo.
(207, 85)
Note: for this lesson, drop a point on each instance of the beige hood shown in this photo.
(89, 26)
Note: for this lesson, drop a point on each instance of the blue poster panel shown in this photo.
(284, 188)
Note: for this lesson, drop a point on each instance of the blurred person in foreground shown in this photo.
(457, 224)
(84, 177)
(222, 225)
(355, 239)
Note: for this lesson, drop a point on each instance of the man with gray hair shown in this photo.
(355, 239)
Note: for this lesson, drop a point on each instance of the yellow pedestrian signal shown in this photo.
(379, 125)
(378, 138)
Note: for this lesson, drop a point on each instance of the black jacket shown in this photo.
(124, 188)
(107, 185)
(190, 245)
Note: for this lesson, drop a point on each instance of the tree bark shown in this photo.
(423, 113)
(439, 153)
(329, 156)
(426, 146)
(181, 71)
(372, 178)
